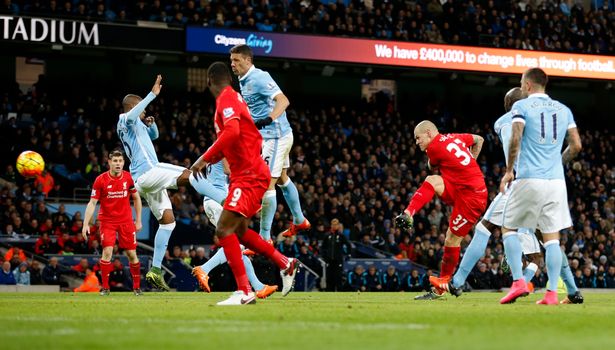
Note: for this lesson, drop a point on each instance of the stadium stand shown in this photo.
(567, 26)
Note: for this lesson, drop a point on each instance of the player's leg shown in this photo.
(521, 210)
(554, 216)
(473, 253)
(288, 266)
(553, 261)
(289, 190)
(213, 210)
(227, 227)
(574, 295)
(153, 187)
(107, 237)
(533, 261)
(161, 241)
(532, 252)
(202, 186)
(270, 153)
(128, 242)
(433, 184)
(262, 290)
(269, 207)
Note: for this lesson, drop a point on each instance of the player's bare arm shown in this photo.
(513, 153)
(89, 213)
(136, 200)
(574, 145)
(477, 146)
(281, 102)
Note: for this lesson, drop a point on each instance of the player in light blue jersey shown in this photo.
(538, 197)
(152, 178)
(267, 104)
(524, 242)
(217, 176)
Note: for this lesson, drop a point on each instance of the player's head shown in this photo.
(116, 162)
(130, 101)
(533, 80)
(424, 132)
(242, 59)
(513, 95)
(218, 77)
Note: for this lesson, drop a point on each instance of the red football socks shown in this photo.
(254, 241)
(105, 270)
(449, 261)
(232, 251)
(135, 271)
(421, 197)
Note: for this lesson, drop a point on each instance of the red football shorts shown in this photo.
(468, 207)
(246, 195)
(127, 233)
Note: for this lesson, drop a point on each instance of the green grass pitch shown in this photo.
(302, 321)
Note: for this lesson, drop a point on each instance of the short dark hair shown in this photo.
(218, 73)
(537, 76)
(243, 49)
(116, 153)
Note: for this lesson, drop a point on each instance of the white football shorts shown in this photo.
(153, 184)
(276, 152)
(537, 203)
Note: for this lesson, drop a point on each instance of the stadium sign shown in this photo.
(146, 36)
(49, 30)
(395, 53)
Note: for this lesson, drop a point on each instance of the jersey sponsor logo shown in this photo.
(228, 112)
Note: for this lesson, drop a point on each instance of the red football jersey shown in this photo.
(113, 193)
(450, 153)
(244, 153)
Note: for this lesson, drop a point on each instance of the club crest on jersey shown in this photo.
(228, 112)
(124, 185)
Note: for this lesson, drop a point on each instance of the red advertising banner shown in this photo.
(395, 53)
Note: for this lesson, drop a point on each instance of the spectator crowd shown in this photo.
(549, 25)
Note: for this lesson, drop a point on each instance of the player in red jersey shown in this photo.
(112, 189)
(239, 141)
(461, 185)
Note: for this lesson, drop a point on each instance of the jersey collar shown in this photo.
(115, 177)
(539, 94)
(247, 73)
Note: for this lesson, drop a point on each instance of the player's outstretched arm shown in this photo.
(477, 146)
(87, 218)
(133, 115)
(136, 200)
(574, 145)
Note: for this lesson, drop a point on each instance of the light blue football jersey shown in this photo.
(137, 138)
(258, 90)
(503, 127)
(216, 176)
(546, 124)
